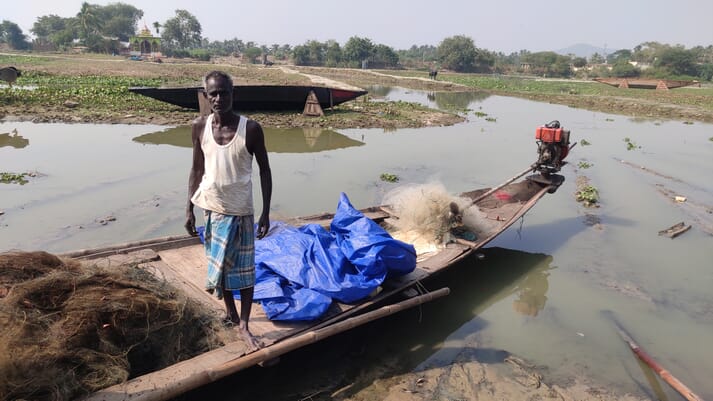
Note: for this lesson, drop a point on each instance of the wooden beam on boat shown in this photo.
(211, 366)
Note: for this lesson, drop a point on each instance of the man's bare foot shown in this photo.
(251, 342)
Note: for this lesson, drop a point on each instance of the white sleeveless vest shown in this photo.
(226, 186)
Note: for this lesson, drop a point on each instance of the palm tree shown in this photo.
(156, 25)
(88, 20)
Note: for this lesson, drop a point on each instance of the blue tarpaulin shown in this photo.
(299, 271)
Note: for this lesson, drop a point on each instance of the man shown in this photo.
(220, 183)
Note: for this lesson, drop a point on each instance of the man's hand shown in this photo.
(191, 224)
(263, 226)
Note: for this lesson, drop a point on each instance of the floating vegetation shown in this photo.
(584, 142)
(710, 139)
(584, 165)
(587, 195)
(388, 177)
(688, 122)
(630, 145)
(480, 114)
(609, 119)
(15, 178)
(491, 119)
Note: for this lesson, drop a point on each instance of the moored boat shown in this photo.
(255, 97)
(646, 83)
(181, 260)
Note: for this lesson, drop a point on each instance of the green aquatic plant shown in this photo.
(631, 145)
(584, 165)
(388, 177)
(584, 142)
(688, 122)
(587, 195)
(491, 119)
(480, 114)
(13, 178)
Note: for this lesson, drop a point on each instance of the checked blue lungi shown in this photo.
(230, 249)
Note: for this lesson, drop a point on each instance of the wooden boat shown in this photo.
(255, 97)
(181, 260)
(645, 83)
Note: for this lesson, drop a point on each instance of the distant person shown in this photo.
(9, 75)
(220, 183)
(432, 74)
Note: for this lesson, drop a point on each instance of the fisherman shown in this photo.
(224, 144)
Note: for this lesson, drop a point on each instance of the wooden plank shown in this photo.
(190, 264)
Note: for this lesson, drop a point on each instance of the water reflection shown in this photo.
(531, 291)
(440, 100)
(456, 100)
(14, 140)
(292, 140)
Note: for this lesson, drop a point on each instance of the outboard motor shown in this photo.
(552, 148)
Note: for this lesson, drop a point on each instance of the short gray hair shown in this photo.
(217, 74)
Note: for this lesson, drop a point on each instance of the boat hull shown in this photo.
(255, 97)
(641, 83)
(181, 259)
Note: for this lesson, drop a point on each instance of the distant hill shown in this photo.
(584, 50)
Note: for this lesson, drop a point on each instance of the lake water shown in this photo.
(538, 293)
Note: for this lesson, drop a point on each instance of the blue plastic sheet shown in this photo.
(300, 271)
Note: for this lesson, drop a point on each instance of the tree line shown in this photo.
(102, 29)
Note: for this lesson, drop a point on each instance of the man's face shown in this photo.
(220, 94)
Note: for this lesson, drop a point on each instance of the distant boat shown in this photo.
(256, 97)
(646, 83)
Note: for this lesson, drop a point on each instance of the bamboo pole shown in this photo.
(490, 192)
(648, 360)
(291, 344)
(192, 373)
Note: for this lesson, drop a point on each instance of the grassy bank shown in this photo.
(688, 103)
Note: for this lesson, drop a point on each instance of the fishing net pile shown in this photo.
(427, 215)
(68, 329)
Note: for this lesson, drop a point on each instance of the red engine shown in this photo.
(552, 147)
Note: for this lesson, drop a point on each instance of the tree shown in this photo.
(357, 50)
(386, 56)
(579, 62)
(156, 26)
(624, 69)
(596, 58)
(676, 61)
(11, 34)
(332, 53)
(252, 54)
(182, 31)
(457, 53)
(300, 55)
(119, 20)
(619, 55)
(88, 20)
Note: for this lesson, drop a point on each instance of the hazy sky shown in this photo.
(500, 25)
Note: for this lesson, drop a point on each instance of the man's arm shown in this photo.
(255, 142)
(196, 173)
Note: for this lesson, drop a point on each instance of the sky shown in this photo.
(501, 25)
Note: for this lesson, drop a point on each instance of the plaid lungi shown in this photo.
(230, 249)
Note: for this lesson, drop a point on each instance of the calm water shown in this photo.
(539, 293)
